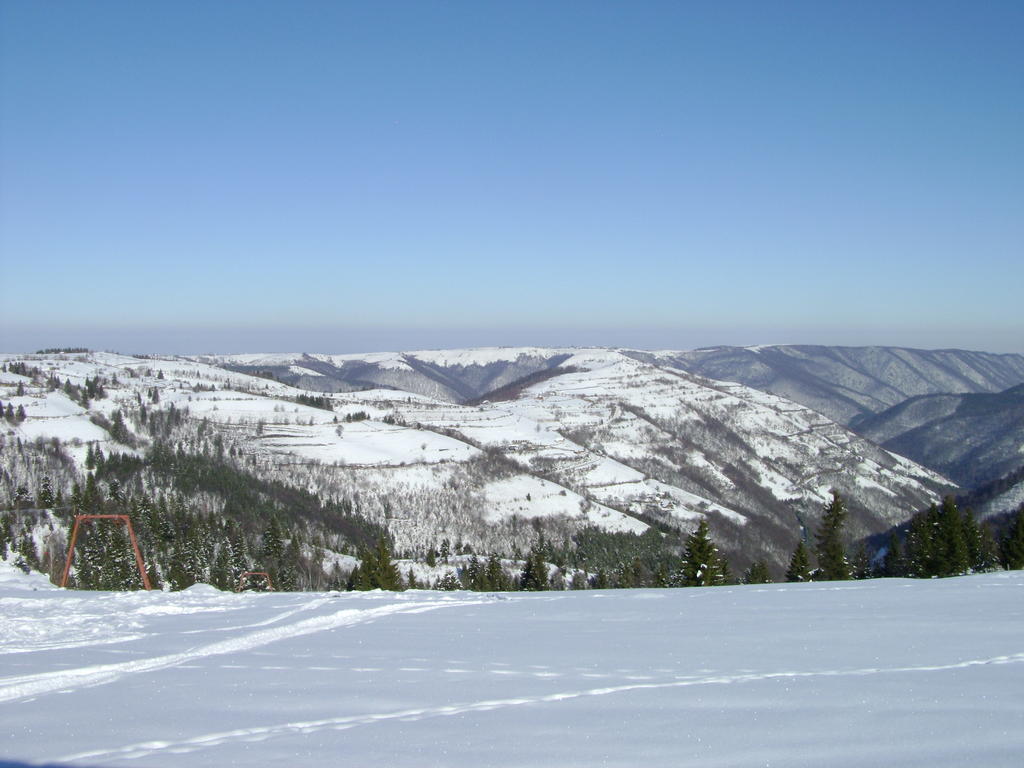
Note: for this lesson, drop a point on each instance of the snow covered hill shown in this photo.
(845, 382)
(589, 437)
(973, 439)
(881, 672)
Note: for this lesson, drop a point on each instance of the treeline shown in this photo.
(315, 401)
(940, 541)
(180, 546)
(201, 517)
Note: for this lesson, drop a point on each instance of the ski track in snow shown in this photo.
(12, 688)
(262, 733)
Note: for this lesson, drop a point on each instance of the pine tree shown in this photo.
(988, 551)
(703, 566)
(287, 572)
(831, 553)
(376, 570)
(952, 548)
(860, 566)
(624, 577)
(496, 579)
(757, 573)
(5, 536)
(449, 583)
(44, 498)
(972, 539)
(799, 564)
(892, 563)
(918, 559)
(1013, 543)
(660, 576)
(239, 555)
(534, 577)
(272, 551)
(220, 571)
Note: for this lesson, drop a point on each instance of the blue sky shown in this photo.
(349, 176)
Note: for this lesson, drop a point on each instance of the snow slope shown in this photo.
(885, 672)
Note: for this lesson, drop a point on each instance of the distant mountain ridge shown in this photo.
(971, 438)
(847, 383)
(842, 383)
(454, 377)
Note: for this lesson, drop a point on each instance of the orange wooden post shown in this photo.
(71, 551)
(124, 519)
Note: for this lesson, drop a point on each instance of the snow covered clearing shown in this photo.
(883, 672)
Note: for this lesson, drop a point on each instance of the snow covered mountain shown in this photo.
(452, 375)
(579, 437)
(844, 383)
(973, 439)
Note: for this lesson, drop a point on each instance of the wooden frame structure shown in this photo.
(244, 577)
(122, 519)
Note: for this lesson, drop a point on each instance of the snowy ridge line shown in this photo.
(12, 688)
(262, 733)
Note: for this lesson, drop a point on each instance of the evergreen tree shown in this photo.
(496, 579)
(449, 583)
(988, 553)
(44, 498)
(661, 578)
(860, 566)
(624, 577)
(272, 551)
(757, 573)
(534, 577)
(238, 553)
(288, 570)
(799, 564)
(918, 559)
(377, 571)
(179, 572)
(972, 539)
(220, 571)
(892, 563)
(831, 553)
(119, 430)
(952, 551)
(703, 566)
(5, 536)
(336, 580)
(1013, 543)
(27, 553)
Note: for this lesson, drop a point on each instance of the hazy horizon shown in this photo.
(185, 176)
(193, 341)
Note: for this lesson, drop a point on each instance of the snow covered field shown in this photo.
(886, 672)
